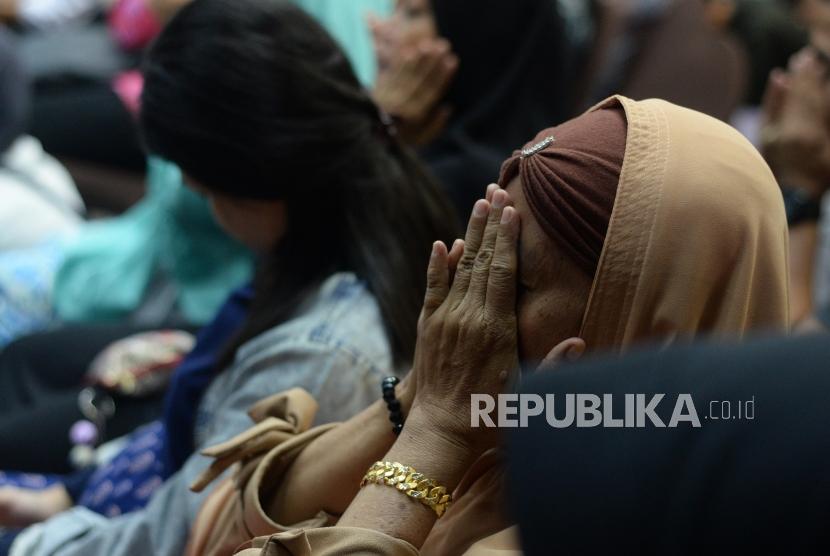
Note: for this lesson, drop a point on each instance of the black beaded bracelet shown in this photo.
(395, 414)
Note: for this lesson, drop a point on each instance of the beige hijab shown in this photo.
(697, 244)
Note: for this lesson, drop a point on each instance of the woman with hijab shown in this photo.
(504, 72)
(636, 222)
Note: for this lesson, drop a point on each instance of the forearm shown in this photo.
(327, 473)
(803, 249)
(389, 511)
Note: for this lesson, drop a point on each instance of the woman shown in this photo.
(796, 143)
(164, 263)
(261, 110)
(469, 83)
(639, 222)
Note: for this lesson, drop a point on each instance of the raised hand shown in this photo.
(411, 85)
(467, 333)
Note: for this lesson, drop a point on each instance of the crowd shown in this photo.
(263, 260)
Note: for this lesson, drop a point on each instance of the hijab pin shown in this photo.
(541, 145)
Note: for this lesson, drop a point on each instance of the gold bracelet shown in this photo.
(410, 482)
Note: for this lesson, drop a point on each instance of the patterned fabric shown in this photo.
(128, 481)
(121, 486)
(30, 481)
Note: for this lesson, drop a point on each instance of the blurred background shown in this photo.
(96, 232)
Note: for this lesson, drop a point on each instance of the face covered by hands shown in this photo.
(467, 333)
(415, 68)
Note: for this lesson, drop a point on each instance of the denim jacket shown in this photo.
(336, 349)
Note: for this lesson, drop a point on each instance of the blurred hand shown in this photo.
(796, 132)
(23, 507)
(467, 331)
(411, 85)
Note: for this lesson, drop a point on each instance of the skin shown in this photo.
(411, 23)
(478, 307)
(21, 507)
(258, 224)
(553, 290)
(797, 146)
(719, 13)
(816, 15)
(415, 68)
(326, 474)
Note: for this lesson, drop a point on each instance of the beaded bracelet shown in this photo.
(411, 483)
(387, 386)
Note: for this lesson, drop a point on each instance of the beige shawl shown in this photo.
(697, 244)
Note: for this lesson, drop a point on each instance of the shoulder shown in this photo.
(341, 316)
(335, 348)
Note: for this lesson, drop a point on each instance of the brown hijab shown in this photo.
(697, 241)
(569, 174)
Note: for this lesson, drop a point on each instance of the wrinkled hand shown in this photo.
(411, 86)
(467, 340)
(796, 133)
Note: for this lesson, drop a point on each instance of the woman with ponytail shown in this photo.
(262, 112)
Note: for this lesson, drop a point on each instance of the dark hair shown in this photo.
(513, 80)
(253, 99)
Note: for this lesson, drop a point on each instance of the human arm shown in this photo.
(797, 146)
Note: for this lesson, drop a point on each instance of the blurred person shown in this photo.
(166, 263)
(768, 29)
(44, 15)
(638, 222)
(145, 266)
(468, 93)
(263, 113)
(40, 199)
(87, 89)
(163, 263)
(751, 479)
(796, 142)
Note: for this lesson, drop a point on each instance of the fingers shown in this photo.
(774, 95)
(501, 283)
(437, 80)
(566, 350)
(437, 279)
(492, 188)
(484, 258)
(472, 241)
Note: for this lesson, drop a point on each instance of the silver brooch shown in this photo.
(541, 145)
